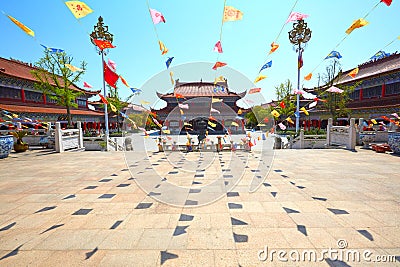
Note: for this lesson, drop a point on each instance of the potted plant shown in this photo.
(20, 145)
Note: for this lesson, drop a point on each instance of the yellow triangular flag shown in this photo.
(219, 79)
(124, 81)
(374, 121)
(288, 119)
(22, 26)
(167, 131)
(275, 113)
(232, 14)
(212, 124)
(353, 73)
(79, 9)
(259, 78)
(356, 24)
(171, 75)
(234, 124)
(308, 77)
(216, 100)
(113, 108)
(163, 48)
(73, 68)
(240, 111)
(305, 111)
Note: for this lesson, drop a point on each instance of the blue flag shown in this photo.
(52, 50)
(333, 54)
(266, 65)
(379, 55)
(135, 90)
(169, 61)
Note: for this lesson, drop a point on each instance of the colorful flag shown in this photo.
(334, 89)
(288, 119)
(103, 44)
(218, 64)
(215, 110)
(275, 113)
(103, 99)
(179, 95)
(234, 124)
(156, 122)
(387, 2)
(218, 47)
(333, 54)
(143, 102)
(266, 65)
(395, 115)
(124, 81)
(212, 118)
(79, 9)
(216, 100)
(52, 50)
(182, 113)
(113, 108)
(135, 90)
(22, 26)
(254, 90)
(232, 14)
(300, 60)
(357, 24)
(305, 111)
(259, 78)
(212, 124)
(110, 77)
(282, 126)
(353, 73)
(313, 104)
(169, 61)
(73, 68)
(163, 48)
(183, 106)
(282, 104)
(274, 46)
(187, 124)
(156, 16)
(112, 65)
(308, 77)
(219, 79)
(379, 55)
(167, 132)
(308, 95)
(296, 16)
(86, 85)
(171, 77)
(374, 121)
(240, 111)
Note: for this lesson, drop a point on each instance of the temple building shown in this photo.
(18, 95)
(194, 107)
(377, 93)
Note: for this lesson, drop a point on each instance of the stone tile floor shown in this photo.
(86, 208)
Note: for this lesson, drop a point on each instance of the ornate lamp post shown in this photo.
(100, 32)
(299, 36)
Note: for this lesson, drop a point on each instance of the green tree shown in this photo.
(335, 103)
(114, 99)
(256, 116)
(284, 92)
(57, 81)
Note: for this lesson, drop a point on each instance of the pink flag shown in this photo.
(218, 47)
(86, 85)
(112, 65)
(334, 89)
(156, 16)
(282, 126)
(296, 16)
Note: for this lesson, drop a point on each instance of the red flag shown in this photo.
(254, 90)
(300, 60)
(109, 76)
(179, 96)
(387, 2)
(103, 44)
(218, 64)
(218, 47)
(282, 104)
(103, 99)
(86, 85)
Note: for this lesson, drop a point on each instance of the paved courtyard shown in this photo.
(87, 208)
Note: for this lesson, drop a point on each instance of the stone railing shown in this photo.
(308, 141)
(68, 139)
(342, 135)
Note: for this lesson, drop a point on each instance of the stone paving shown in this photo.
(86, 208)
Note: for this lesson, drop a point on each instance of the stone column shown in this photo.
(328, 131)
(352, 135)
(58, 138)
(79, 126)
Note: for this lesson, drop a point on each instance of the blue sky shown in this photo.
(192, 29)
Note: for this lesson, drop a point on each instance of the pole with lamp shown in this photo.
(299, 36)
(100, 32)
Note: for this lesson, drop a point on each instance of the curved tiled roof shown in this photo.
(48, 110)
(23, 70)
(201, 89)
